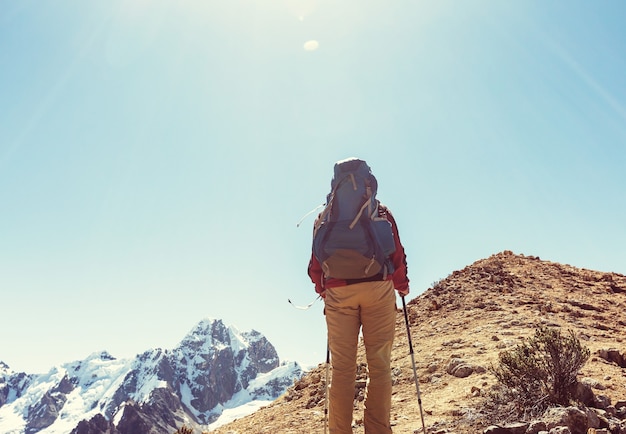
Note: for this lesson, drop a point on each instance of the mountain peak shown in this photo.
(100, 355)
(210, 334)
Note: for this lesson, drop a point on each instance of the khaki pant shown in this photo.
(372, 306)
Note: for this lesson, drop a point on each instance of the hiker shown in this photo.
(358, 292)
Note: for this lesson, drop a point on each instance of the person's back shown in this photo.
(357, 281)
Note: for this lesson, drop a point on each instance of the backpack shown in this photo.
(351, 239)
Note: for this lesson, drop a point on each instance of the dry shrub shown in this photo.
(538, 373)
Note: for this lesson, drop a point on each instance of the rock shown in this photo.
(96, 425)
(602, 401)
(46, 411)
(514, 428)
(432, 367)
(584, 394)
(560, 430)
(459, 368)
(570, 417)
(613, 355)
(536, 427)
(593, 421)
(593, 383)
(462, 371)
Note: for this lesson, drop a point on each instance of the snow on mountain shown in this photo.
(64, 394)
(214, 372)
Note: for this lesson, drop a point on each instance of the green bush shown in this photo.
(541, 371)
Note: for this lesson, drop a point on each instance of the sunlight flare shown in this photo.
(311, 45)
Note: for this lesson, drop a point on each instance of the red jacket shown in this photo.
(399, 276)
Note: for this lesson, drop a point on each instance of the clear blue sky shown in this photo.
(155, 156)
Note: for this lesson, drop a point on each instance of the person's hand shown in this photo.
(403, 292)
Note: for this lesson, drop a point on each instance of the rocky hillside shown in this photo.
(458, 327)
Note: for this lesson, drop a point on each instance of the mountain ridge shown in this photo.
(189, 384)
(458, 328)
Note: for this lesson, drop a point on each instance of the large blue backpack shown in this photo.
(351, 239)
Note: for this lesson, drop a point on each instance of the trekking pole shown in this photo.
(417, 386)
(326, 388)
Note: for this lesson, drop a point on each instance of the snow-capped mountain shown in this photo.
(213, 370)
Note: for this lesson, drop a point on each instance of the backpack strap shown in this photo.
(353, 181)
(367, 203)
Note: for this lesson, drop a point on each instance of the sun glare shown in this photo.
(311, 45)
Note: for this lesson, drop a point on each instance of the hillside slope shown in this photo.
(458, 327)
